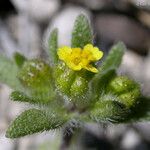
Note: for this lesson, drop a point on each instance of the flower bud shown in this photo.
(130, 98)
(79, 92)
(121, 84)
(64, 78)
(127, 90)
(73, 84)
(79, 87)
(35, 73)
(36, 76)
(108, 111)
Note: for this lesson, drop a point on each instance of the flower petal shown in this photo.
(91, 68)
(97, 54)
(93, 53)
(64, 52)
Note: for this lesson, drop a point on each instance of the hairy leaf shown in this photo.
(32, 121)
(82, 32)
(114, 57)
(53, 45)
(21, 97)
(8, 73)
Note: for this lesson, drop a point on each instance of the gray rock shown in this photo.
(113, 27)
(146, 75)
(116, 131)
(96, 4)
(144, 17)
(144, 130)
(107, 4)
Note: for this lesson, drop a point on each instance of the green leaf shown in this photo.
(33, 121)
(8, 73)
(53, 45)
(82, 32)
(19, 59)
(21, 97)
(114, 57)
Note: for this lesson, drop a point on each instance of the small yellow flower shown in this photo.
(77, 58)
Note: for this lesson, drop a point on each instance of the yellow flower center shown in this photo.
(77, 58)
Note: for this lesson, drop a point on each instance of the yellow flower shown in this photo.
(77, 58)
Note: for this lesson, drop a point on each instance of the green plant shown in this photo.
(64, 96)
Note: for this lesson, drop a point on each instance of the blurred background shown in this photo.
(24, 27)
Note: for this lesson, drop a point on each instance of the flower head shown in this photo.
(77, 58)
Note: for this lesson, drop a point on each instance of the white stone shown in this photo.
(40, 10)
(7, 44)
(4, 103)
(9, 109)
(132, 64)
(50, 140)
(5, 143)
(114, 130)
(130, 140)
(29, 36)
